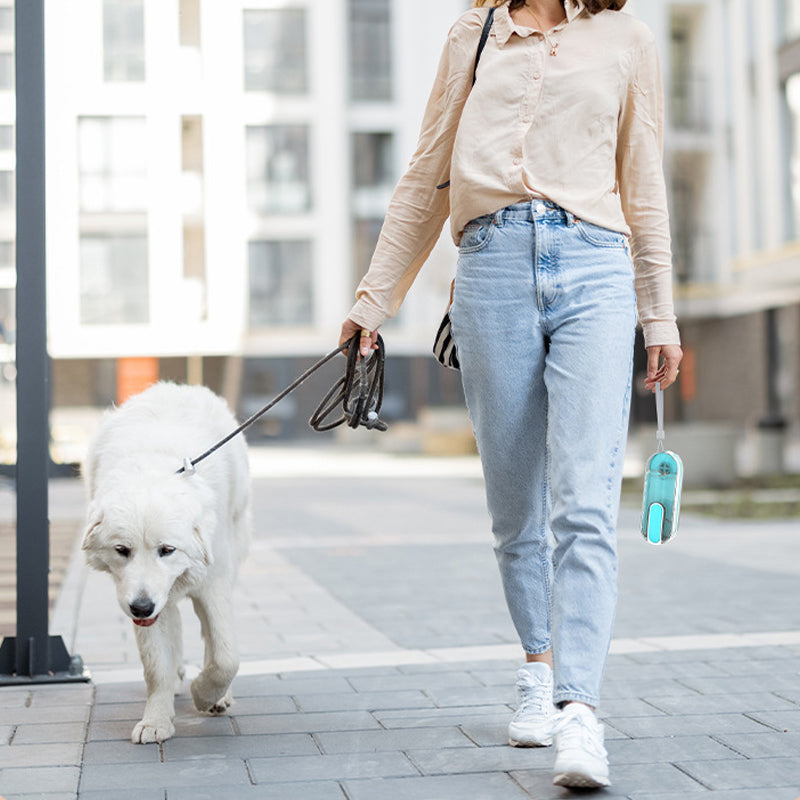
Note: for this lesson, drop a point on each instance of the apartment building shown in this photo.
(218, 171)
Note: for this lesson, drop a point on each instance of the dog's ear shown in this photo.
(94, 523)
(202, 539)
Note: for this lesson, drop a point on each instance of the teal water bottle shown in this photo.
(663, 479)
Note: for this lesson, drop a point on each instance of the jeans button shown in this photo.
(540, 208)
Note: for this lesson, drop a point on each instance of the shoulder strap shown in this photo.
(482, 43)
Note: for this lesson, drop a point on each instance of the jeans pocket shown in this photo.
(599, 236)
(477, 234)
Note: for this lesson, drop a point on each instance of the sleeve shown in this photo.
(640, 174)
(418, 209)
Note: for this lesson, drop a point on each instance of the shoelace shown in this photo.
(579, 732)
(533, 696)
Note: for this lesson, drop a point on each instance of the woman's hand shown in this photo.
(369, 341)
(662, 365)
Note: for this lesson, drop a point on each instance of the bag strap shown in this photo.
(660, 416)
(482, 43)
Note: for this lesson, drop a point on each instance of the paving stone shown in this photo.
(626, 707)
(776, 793)
(120, 753)
(786, 720)
(240, 747)
(428, 682)
(665, 749)
(687, 725)
(472, 696)
(6, 731)
(269, 704)
(438, 717)
(744, 773)
(49, 734)
(625, 779)
(720, 703)
(334, 767)
(196, 724)
(47, 796)
(764, 745)
(41, 755)
(39, 780)
(748, 666)
(386, 741)
(307, 723)
(97, 777)
(312, 685)
(493, 786)
(482, 759)
(641, 687)
(742, 684)
(362, 701)
(43, 714)
(122, 794)
(318, 790)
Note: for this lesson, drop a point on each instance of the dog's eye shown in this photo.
(122, 550)
(166, 550)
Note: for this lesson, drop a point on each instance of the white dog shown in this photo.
(164, 536)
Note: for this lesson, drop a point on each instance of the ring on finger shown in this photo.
(365, 332)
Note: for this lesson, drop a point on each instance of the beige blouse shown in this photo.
(582, 128)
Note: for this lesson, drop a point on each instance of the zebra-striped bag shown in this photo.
(444, 346)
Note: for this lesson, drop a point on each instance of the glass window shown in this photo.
(123, 40)
(370, 50)
(112, 164)
(114, 280)
(189, 22)
(278, 179)
(6, 190)
(7, 137)
(7, 254)
(275, 51)
(7, 71)
(373, 173)
(280, 283)
(365, 237)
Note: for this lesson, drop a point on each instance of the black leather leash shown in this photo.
(359, 391)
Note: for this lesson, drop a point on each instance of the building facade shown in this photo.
(218, 171)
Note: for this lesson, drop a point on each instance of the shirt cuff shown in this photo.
(366, 315)
(661, 333)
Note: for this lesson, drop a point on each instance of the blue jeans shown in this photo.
(544, 321)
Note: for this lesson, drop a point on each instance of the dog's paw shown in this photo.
(152, 730)
(205, 694)
(221, 706)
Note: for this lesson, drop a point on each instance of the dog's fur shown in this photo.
(163, 536)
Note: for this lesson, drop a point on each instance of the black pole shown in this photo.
(33, 655)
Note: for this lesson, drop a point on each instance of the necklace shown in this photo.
(553, 43)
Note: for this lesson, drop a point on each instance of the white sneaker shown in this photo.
(532, 724)
(581, 758)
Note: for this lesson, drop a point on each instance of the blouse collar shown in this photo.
(504, 26)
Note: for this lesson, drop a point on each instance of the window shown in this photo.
(6, 190)
(189, 22)
(114, 280)
(278, 179)
(370, 50)
(373, 173)
(7, 71)
(123, 40)
(275, 51)
(280, 283)
(7, 142)
(112, 164)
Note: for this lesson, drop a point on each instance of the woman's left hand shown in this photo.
(662, 365)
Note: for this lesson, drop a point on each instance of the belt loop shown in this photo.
(570, 217)
(498, 217)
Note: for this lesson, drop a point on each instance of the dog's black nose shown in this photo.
(142, 607)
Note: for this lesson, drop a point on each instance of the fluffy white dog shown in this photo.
(164, 536)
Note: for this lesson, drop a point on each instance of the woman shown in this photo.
(557, 202)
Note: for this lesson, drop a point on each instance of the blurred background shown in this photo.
(217, 174)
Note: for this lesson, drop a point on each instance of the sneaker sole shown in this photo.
(580, 780)
(537, 743)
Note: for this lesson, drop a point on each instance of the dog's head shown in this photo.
(151, 536)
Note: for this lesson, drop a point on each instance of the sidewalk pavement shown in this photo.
(378, 660)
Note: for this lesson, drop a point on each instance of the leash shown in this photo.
(359, 391)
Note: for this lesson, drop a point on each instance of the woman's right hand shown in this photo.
(368, 341)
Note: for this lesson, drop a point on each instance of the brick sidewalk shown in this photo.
(378, 664)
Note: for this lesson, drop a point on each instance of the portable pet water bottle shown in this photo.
(663, 478)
